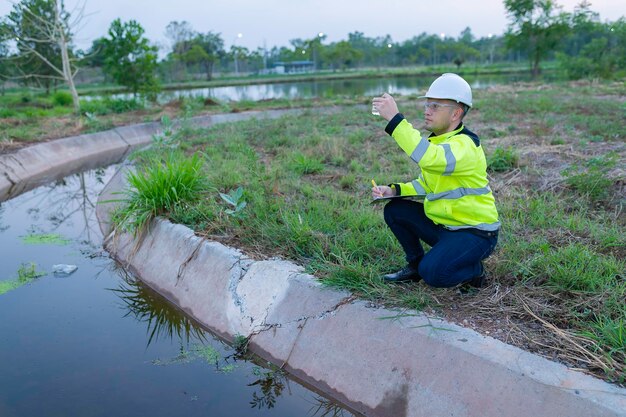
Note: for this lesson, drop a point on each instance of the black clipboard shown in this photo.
(418, 198)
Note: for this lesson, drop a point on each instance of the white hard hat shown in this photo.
(451, 87)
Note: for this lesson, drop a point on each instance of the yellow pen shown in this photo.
(376, 186)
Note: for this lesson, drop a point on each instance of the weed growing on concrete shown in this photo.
(240, 344)
(165, 138)
(157, 187)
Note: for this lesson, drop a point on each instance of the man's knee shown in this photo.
(399, 209)
(434, 274)
(391, 210)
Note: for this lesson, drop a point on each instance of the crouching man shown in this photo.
(458, 217)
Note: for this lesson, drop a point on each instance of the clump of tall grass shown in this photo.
(502, 159)
(157, 187)
(591, 179)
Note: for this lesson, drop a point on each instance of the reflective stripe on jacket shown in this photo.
(453, 176)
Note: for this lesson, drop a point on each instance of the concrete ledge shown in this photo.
(39, 164)
(372, 360)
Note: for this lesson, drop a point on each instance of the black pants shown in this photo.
(454, 256)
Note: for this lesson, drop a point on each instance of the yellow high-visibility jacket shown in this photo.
(453, 176)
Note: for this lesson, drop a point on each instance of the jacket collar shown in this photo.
(440, 138)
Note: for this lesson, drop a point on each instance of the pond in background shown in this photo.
(98, 343)
(328, 89)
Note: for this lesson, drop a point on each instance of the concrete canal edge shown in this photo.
(375, 360)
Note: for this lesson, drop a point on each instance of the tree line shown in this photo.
(36, 48)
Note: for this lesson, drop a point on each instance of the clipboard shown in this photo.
(418, 198)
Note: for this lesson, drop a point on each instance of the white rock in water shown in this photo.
(63, 269)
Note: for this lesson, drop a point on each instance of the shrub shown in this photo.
(502, 159)
(109, 105)
(121, 105)
(157, 188)
(62, 98)
(592, 180)
(303, 164)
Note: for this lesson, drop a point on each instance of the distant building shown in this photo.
(293, 67)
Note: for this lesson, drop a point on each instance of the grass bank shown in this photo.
(27, 118)
(298, 187)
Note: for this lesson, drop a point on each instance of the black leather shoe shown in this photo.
(408, 273)
(479, 281)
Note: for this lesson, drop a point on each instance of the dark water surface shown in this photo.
(97, 343)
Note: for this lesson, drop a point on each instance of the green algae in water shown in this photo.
(6, 286)
(208, 353)
(227, 369)
(45, 239)
(25, 274)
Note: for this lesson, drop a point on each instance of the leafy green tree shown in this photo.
(373, 51)
(463, 50)
(190, 48)
(41, 30)
(343, 55)
(536, 27)
(239, 55)
(130, 59)
(600, 55)
(213, 46)
(256, 60)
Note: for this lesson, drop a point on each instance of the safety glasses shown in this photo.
(434, 106)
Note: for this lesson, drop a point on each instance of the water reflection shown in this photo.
(160, 317)
(326, 408)
(271, 384)
(66, 203)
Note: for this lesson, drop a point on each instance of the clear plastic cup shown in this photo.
(375, 111)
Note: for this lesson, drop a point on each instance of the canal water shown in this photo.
(98, 343)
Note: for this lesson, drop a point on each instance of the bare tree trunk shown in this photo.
(65, 59)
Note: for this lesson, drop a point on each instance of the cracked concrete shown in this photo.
(371, 359)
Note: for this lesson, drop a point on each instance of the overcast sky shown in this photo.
(275, 22)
